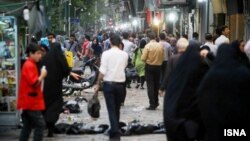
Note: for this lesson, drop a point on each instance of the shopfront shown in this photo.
(9, 71)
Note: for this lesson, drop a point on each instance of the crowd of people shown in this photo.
(205, 86)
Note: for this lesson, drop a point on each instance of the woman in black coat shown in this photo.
(181, 114)
(57, 69)
(224, 96)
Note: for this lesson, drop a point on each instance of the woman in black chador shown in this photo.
(57, 68)
(181, 114)
(242, 57)
(224, 96)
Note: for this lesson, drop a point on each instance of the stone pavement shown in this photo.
(134, 109)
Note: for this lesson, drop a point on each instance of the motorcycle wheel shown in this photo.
(67, 91)
(90, 75)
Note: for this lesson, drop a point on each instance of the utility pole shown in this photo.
(95, 15)
(69, 16)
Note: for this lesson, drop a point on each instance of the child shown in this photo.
(30, 98)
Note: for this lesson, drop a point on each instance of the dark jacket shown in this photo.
(57, 68)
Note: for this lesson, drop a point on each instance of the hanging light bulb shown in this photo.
(26, 14)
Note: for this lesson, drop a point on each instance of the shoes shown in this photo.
(128, 86)
(142, 88)
(50, 132)
(150, 108)
(137, 86)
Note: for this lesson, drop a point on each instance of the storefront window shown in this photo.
(8, 64)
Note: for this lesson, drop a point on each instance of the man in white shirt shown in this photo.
(128, 46)
(224, 33)
(210, 44)
(112, 72)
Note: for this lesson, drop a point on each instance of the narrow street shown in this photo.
(134, 109)
(55, 55)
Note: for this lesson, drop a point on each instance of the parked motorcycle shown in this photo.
(88, 76)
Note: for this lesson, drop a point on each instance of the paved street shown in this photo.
(134, 109)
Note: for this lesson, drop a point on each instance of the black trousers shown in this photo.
(114, 93)
(163, 70)
(153, 74)
(32, 119)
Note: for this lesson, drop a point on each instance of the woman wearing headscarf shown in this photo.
(223, 96)
(242, 57)
(207, 56)
(57, 67)
(97, 49)
(139, 64)
(181, 114)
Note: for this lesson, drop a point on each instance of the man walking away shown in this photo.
(167, 54)
(153, 54)
(112, 72)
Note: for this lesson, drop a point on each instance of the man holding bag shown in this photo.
(112, 72)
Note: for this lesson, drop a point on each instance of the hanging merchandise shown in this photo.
(8, 71)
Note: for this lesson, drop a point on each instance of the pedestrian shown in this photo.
(57, 68)
(223, 35)
(209, 42)
(181, 115)
(167, 54)
(207, 57)
(97, 49)
(52, 39)
(72, 45)
(242, 57)
(223, 96)
(153, 55)
(60, 40)
(30, 98)
(181, 46)
(106, 42)
(196, 39)
(113, 83)
(139, 64)
(128, 47)
(173, 41)
(85, 49)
